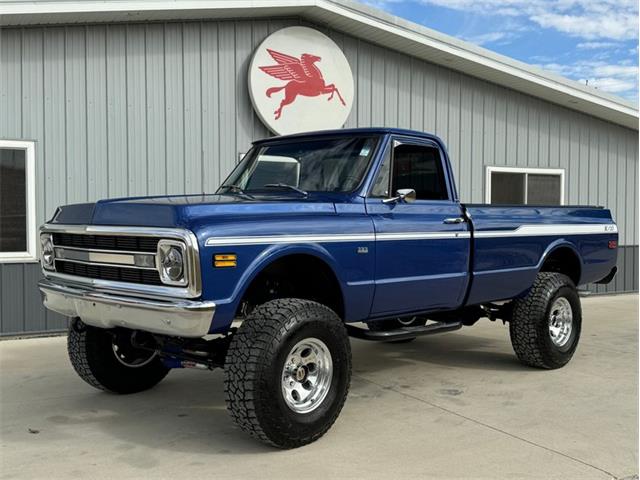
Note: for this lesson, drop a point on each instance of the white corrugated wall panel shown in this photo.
(136, 109)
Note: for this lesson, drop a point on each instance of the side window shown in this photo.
(381, 186)
(419, 167)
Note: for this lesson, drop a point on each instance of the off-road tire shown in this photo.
(254, 368)
(92, 357)
(529, 325)
(394, 324)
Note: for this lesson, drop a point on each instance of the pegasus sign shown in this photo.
(299, 80)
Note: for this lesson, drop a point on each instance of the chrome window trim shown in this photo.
(192, 258)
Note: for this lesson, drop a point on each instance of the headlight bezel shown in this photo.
(47, 249)
(165, 246)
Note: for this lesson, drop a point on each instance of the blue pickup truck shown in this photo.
(313, 238)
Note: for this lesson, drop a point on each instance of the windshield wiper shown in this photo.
(237, 189)
(286, 186)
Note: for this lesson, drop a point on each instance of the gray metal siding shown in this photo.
(137, 109)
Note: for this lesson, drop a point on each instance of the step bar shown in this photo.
(404, 333)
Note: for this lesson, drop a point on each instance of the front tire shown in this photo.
(546, 323)
(94, 356)
(287, 372)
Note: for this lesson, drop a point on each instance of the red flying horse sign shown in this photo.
(303, 75)
(311, 71)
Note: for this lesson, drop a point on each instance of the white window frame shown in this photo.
(31, 254)
(526, 170)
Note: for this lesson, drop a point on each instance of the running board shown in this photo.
(404, 333)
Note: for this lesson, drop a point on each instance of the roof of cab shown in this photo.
(352, 132)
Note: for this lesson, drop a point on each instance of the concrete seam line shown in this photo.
(478, 422)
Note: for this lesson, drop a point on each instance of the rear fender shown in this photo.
(555, 245)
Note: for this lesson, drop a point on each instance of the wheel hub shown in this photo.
(301, 374)
(306, 375)
(560, 322)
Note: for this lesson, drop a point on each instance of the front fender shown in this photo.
(227, 307)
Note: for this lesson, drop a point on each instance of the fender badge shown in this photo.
(363, 249)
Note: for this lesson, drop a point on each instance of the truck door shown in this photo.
(422, 247)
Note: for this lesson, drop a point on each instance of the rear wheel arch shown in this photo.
(563, 258)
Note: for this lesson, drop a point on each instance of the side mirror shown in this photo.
(407, 195)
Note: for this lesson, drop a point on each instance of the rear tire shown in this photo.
(546, 323)
(277, 385)
(92, 354)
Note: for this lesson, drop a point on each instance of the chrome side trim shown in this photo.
(333, 238)
(192, 257)
(182, 318)
(557, 229)
(421, 235)
(523, 230)
(271, 239)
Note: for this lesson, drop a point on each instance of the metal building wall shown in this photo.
(137, 109)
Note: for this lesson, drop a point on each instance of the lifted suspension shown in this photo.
(176, 352)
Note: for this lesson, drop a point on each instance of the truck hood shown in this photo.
(187, 211)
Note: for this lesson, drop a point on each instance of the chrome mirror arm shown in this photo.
(407, 195)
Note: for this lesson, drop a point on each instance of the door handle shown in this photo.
(453, 220)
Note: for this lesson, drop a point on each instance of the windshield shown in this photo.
(323, 165)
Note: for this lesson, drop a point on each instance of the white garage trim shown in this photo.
(526, 170)
(30, 254)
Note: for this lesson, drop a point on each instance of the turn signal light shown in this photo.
(225, 260)
(613, 244)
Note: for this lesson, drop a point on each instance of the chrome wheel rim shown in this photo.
(560, 322)
(306, 375)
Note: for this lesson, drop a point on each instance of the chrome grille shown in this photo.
(106, 242)
(103, 272)
(107, 257)
(121, 259)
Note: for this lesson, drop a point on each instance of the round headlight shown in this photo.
(48, 254)
(172, 264)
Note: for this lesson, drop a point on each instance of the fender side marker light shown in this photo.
(222, 260)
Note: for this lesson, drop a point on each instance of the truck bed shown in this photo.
(511, 242)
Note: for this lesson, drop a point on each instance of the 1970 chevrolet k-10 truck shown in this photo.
(312, 238)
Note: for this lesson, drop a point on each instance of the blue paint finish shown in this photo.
(505, 267)
(378, 277)
(421, 260)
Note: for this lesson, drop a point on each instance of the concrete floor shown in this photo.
(458, 405)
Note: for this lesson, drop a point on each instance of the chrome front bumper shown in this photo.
(182, 318)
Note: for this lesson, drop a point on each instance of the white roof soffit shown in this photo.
(353, 18)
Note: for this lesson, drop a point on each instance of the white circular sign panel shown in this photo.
(300, 81)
